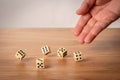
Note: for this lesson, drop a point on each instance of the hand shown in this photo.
(96, 15)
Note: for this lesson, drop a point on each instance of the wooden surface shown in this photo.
(101, 58)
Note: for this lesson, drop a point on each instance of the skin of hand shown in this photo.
(96, 15)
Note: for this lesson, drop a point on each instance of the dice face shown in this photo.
(45, 49)
(40, 63)
(62, 52)
(59, 54)
(77, 56)
(20, 54)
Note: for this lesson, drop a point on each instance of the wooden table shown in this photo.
(101, 58)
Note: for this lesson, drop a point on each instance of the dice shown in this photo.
(45, 50)
(61, 52)
(77, 56)
(20, 54)
(40, 63)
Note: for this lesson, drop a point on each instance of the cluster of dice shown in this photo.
(61, 52)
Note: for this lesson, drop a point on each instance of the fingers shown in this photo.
(98, 27)
(81, 23)
(86, 30)
(85, 7)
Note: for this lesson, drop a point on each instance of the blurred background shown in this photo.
(41, 13)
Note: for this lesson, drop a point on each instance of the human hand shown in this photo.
(96, 15)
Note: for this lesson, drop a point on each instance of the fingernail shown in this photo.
(81, 41)
(75, 32)
(87, 40)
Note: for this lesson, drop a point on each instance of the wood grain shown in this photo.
(101, 58)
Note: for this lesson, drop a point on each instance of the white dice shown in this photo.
(62, 52)
(40, 63)
(20, 54)
(45, 50)
(77, 56)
